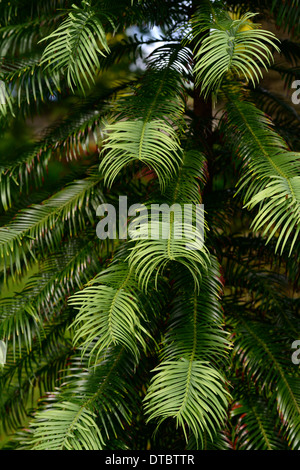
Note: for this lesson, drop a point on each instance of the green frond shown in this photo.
(111, 312)
(191, 392)
(147, 128)
(171, 55)
(22, 38)
(29, 83)
(153, 143)
(263, 353)
(236, 47)
(38, 223)
(53, 344)
(23, 316)
(256, 428)
(68, 138)
(36, 371)
(89, 400)
(196, 320)
(75, 46)
(186, 385)
(66, 426)
(287, 15)
(185, 187)
(172, 230)
(162, 241)
(19, 173)
(271, 178)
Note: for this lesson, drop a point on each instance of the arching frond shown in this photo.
(190, 391)
(66, 426)
(23, 37)
(185, 187)
(256, 428)
(237, 47)
(146, 128)
(36, 371)
(160, 242)
(23, 316)
(172, 228)
(153, 143)
(89, 401)
(28, 80)
(111, 312)
(78, 134)
(75, 46)
(196, 320)
(262, 351)
(186, 386)
(37, 223)
(271, 171)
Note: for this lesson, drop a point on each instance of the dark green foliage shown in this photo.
(109, 341)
